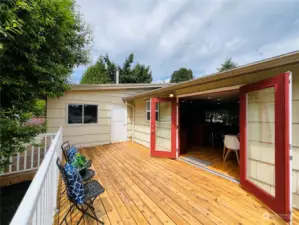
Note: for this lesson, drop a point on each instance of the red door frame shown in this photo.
(281, 202)
(154, 151)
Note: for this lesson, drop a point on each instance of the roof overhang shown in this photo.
(270, 63)
(93, 87)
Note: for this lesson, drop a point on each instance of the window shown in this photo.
(148, 110)
(82, 114)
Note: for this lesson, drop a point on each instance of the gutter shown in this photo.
(94, 87)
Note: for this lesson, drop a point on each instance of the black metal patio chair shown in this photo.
(86, 176)
(65, 147)
(92, 190)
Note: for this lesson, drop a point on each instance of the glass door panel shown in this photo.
(261, 139)
(163, 127)
(265, 127)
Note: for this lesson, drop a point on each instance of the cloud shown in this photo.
(199, 35)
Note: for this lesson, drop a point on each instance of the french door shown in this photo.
(265, 128)
(163, 127)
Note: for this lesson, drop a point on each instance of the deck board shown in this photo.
(145, 190)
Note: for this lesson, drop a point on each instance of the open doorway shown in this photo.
(205, 122)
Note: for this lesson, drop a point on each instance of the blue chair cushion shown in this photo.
(75, 188)
(71, 153)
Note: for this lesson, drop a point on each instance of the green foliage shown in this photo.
(14, 135)
(103, 72)
(41, 42)
(79, 161)
(181, 75)
(39, 108)
(227, 65)
(138, 74)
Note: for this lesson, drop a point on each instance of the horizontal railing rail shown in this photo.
(39, 203)
(31, 158)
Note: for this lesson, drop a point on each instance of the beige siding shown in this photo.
(261, 139)
(88, 134)
(130, 122)
(295, 139)
(142, 126)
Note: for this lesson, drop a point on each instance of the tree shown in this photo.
(40, 43)
(181, 75)
(138, 74)
(227, 65)
(103, 71)
(99, 73)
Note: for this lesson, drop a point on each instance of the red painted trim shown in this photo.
(280, 203)
(154, 151)
(179, 127)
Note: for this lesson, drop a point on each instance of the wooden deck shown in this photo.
(229, 168)
(144, 190)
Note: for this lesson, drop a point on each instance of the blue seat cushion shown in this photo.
(71, 153)
(75, 188)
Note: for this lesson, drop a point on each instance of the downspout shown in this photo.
(133, 129)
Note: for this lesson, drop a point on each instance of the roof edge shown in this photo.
(92, 87)
(268, 63)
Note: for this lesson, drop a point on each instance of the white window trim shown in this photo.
(82, 123)
(149, 110)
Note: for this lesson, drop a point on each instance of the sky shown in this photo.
(195, 34)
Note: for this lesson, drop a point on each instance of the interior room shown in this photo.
(209, 132)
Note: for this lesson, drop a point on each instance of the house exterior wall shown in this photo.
(261, 157)
(88, 134)
(142, 125)
(130, 122)
(261, 162)
(261, 139)
(295, 139)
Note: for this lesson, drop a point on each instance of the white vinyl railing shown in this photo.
(39, 203)
(32, 157)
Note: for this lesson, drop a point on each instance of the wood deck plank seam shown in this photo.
(140, 184)
(193, 198)
(132, 177)
(152, 202)
(133, 156)
(158, 189)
